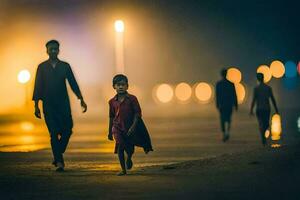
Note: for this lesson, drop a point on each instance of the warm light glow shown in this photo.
(265, 70)
(136, 91)
(183, 92)
(27, 126)
(234, 75)
(27, 139)
(275, 145)
(277, 69)
(164, 93)
(240, 92)
(276, 127)
(203, 92)
(267, 134)
(24, 76)
(119, 26)
(290, 69)
(298, 68)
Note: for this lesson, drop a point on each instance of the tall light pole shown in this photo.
(23, 78)
(119, 48)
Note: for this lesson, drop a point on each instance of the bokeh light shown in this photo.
(183, 92)
(277, 69)
(119, 26)
(234, 75)
(203, 92)
(298, 67)
(24, 76)
(27, 139)
(240, 92)
(27, 126)
(267, 134)
(265, 70)
(276, 127)
(164, 93)
(290, 69)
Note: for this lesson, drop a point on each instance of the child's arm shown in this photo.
(137, 115)
(110, 136)
(111, 117)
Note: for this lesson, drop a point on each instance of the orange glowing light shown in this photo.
(265, 70)
(203, 92)
(234, 75)
(277, 69)
(276, 127)
(24, 76)
(27, 139)
(240, 92)
(164, 93)
(27, 126)
(267, 134)
(183, 92)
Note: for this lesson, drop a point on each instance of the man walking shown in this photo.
(226, 99)
(50, 88)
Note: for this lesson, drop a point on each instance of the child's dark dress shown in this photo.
(123, 114)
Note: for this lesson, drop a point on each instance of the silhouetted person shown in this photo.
(226, 99)
(261, 95)
(126, 125)
(50, 88)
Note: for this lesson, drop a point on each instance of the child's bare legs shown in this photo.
(129, 151)
(121, 149)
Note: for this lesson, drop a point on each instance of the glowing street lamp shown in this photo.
(23, 78)
(276, 130)
(203, 92)
(119, 28)
(163, 93)
(183, 92)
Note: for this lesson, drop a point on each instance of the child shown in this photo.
(261, 95)
(125, 122)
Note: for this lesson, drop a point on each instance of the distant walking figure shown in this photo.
(261, 95)
(50, 88)
(226, 99)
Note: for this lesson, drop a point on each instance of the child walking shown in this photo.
(124, 122)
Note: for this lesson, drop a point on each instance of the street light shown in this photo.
(119, 28)
(23, 78)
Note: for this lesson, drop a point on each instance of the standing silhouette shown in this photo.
(125, 124)
(226, 99)
(261, 95)
(50, 88)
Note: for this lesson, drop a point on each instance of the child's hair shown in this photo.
(119, 77)
(52, 42)
(260, 77)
